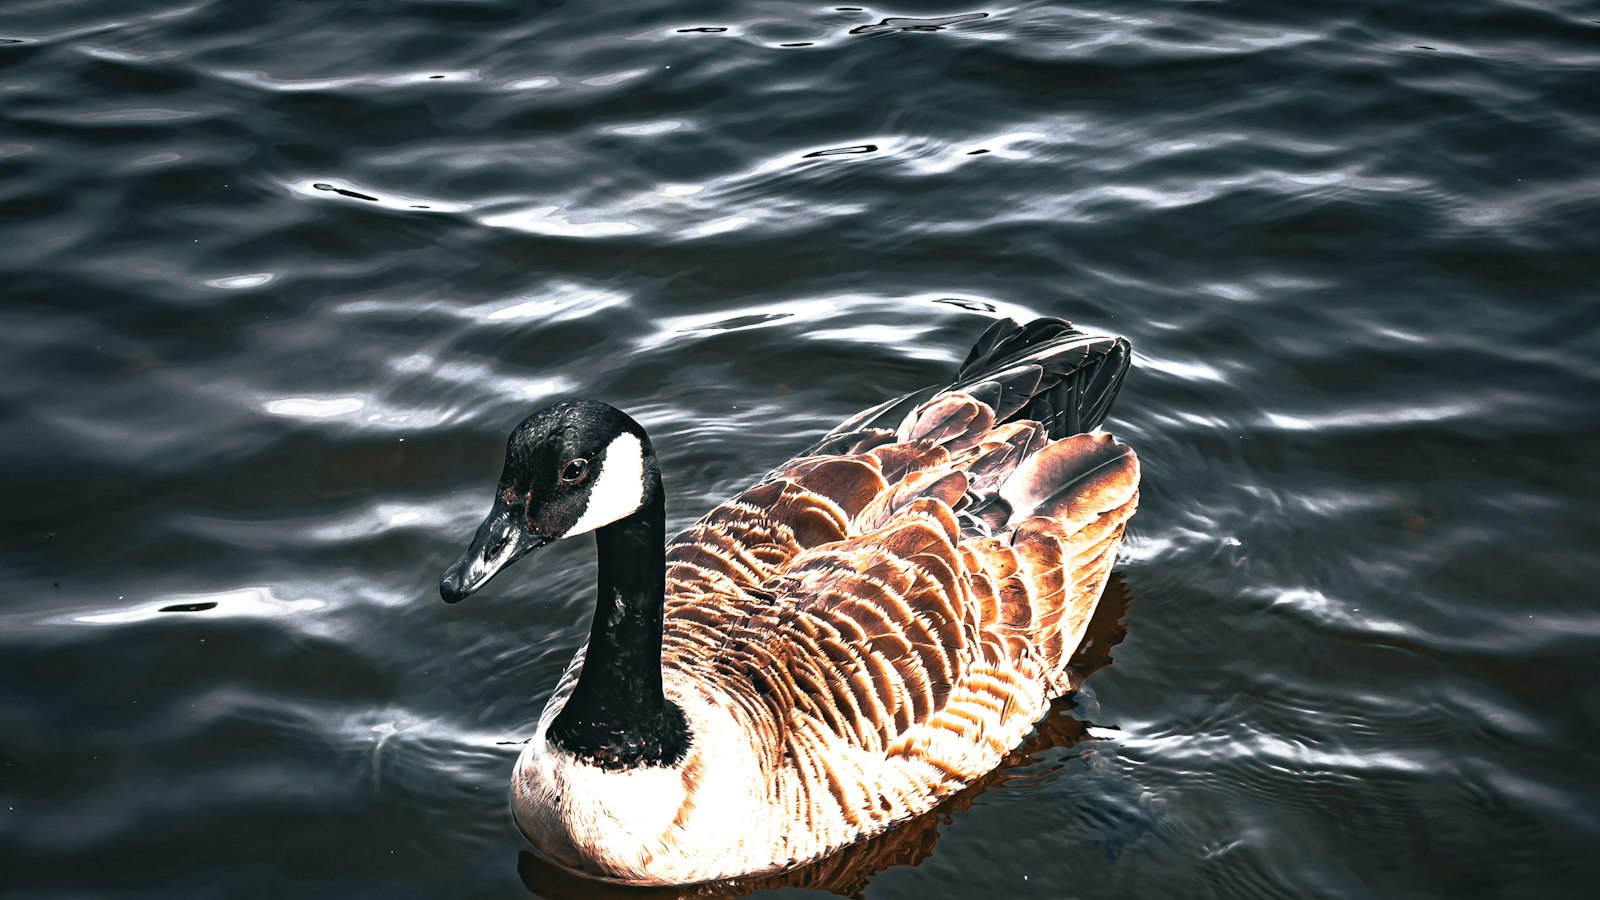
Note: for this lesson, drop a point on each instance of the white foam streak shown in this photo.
(1371, 418)
(549, 220)
(260, 79)
(250, 601)
(240, 282)
(558, 301)
(1185, 369)
(314, 407)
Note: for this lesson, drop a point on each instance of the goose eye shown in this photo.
(574, 471)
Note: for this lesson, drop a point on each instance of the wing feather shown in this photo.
(915, 587)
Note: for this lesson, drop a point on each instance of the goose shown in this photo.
(842, 646)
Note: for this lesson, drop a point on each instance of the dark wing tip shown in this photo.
(1067, 378)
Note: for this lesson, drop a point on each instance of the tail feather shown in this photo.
(1047, 371)
(1007, 340)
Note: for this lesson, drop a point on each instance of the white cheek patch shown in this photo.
(618, 491)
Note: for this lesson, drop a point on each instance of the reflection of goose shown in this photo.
(908, 843)
(845, 645)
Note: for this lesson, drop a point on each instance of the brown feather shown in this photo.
(897, 585)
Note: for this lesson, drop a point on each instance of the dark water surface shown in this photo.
(278, 277)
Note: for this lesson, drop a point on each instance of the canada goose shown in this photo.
(847, 871)
(855, 638)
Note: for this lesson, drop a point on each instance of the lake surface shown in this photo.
(278, 278)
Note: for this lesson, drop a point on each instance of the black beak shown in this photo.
(501, 540)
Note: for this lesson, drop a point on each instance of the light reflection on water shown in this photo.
(278, 285)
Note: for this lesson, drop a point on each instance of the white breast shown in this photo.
(685, 823)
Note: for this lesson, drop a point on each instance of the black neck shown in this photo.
(617, 716)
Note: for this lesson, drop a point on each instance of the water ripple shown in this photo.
(279, 278)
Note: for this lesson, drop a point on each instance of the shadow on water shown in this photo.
(911, 843)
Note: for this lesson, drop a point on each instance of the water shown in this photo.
(278, 278)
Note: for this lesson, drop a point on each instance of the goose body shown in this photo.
(841, 646)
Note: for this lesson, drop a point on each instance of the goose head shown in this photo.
(571, 468)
